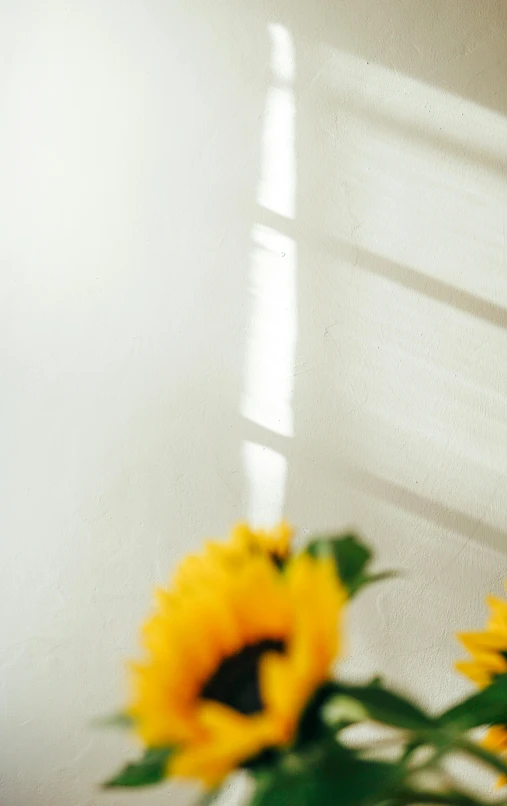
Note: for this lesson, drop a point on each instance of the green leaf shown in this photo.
(343, 710)
(334, 775)
(351, 557)
(371, 579)
(119, 720)
(149, 770)
(487, 707)
(383, 705)
(332, 708)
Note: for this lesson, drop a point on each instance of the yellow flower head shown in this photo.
(489, 653)
(488, 648)
(234, 652)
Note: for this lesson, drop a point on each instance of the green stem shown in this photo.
(481, 754)
(432, 762)
(410, 749)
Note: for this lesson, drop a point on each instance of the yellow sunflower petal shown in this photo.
(316, 641)
(483, 641)
(496, 739)
(282, 537)
(231, 737)
(475, 672)
(276, 542)
(284, 692)
(488, 650)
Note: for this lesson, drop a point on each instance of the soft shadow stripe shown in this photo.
(398, 273)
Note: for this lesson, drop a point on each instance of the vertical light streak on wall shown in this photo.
(272, 338)
(267, 470)
(277, 186)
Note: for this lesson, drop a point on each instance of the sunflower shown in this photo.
(233, 654)
(489, 652)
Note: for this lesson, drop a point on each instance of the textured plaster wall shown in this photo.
(253, 261)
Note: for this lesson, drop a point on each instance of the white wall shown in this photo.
(253, 261)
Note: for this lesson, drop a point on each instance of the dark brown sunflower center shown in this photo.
(236, 681)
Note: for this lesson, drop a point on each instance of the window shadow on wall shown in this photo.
(400, 369)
